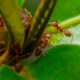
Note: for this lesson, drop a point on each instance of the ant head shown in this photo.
(55, 24)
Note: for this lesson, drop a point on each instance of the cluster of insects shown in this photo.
(37, 38)
(44, 41)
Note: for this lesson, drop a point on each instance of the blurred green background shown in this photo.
(63, 10)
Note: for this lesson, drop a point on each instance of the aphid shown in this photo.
(58, 28)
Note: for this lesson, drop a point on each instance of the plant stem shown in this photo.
(64, 25)
(38, 25)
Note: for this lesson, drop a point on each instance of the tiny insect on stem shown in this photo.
(38, 25)
(58, 28)
(42, 44)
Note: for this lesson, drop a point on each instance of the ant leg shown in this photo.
(72, 39)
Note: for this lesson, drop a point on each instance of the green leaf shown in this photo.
(10, 13)
(60, 62)
(8, 74)
(66, 9)
(62, 11)
(31, 5)
(20, 2)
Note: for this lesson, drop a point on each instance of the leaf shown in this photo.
(62, 11)
(31, 5)
(10, 13)
(20, 2)
(65, 11)
(61, 62)
(8, 74)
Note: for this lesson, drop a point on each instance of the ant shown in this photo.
(42, 44)
(58, 28)
(46, 36)
(26, 17)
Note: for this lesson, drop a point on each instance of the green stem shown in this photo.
(65, 24)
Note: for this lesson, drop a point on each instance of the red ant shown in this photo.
(58, 28)
(43, 43)
(26, 17)
(67, 33)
